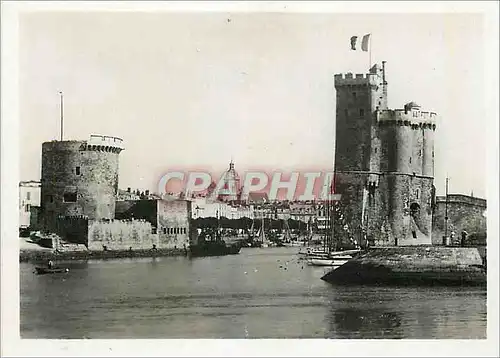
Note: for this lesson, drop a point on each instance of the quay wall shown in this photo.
(417, 265)
(38, 256)
(117, 235)
(464, 213)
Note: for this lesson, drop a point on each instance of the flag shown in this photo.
(354, 39)
(364, 42)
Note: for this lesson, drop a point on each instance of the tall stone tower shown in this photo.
(79, 179)
(384, 163)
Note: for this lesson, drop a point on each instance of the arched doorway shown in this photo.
(415, 216)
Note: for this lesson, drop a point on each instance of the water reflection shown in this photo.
(366, 323)
(367, 313)
(257, 294)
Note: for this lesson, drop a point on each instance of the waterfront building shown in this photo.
(29, 199)
(205, 208)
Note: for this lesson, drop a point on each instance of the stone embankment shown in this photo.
(417, 265)
(36, 256)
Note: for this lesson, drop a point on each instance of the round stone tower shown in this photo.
(79, 178)
(408, 164)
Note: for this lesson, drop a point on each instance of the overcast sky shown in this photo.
(196, 89)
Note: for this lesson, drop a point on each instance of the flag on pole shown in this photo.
(365, 41)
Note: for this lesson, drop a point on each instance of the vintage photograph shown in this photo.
(252, 175)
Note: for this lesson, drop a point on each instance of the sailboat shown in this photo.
(212, 244)
(333, 258)
(263, 240)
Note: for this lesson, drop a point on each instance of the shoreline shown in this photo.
(35, 256)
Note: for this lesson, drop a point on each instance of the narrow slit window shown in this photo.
(77, 170)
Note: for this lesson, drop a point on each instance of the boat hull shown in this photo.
(214, 249)
(328, 262)
(46, 271)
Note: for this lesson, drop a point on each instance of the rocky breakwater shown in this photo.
(412, 265)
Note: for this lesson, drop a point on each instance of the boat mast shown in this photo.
(262, 235)
(446, 210)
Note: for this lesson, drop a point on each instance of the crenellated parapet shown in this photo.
(103, 143)
(357, 80)
(413, 118)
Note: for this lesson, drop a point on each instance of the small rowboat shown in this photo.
(45, 270)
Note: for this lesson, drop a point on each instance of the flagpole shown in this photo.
(61, 114)
(370, 52)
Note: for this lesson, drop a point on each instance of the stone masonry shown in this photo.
(384, 163)
(464, 213)
(79, 178)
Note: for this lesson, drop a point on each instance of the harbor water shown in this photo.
(260, 293)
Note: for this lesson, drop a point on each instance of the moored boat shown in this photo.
(213, 248)
(45, 270)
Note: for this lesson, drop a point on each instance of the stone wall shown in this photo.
(174, 223)
(120, 235)
(464, 213)
(413, 265)
(73, 229)
(397, 208)
(35, 218)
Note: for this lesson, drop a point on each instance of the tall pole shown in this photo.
(61, 114)
(446, 210)
(370, 51)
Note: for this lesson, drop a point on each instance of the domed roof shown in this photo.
(412, 105)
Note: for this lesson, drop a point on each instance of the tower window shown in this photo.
(69, 197)
(28, 195)
(410, 160)
(375, 150)
(433, 154)
(420, 153)
(77, 170)
(361, 112)
(354, 94)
